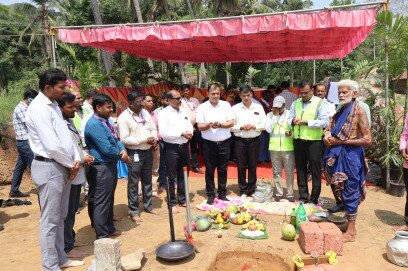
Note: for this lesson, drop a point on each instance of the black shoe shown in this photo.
(291, 199)
(197, 170)
(278, 198)
(335, 209)
(18, 194)
(1, 227)
(223, 198)
(210, 200)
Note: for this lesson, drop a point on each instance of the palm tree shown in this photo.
(106, 57)
(136, 5)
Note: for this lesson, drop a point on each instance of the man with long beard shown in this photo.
(345, 137)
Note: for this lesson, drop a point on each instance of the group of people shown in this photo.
(70, 143)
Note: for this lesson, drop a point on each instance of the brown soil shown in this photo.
(20, 238)
(246, 260)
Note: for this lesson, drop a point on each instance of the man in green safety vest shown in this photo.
(309, 117)
(281, 147)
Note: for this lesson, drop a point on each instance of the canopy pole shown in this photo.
(387, 104)
(53, 47)
(384, 3)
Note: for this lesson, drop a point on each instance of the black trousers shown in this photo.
(102, 186)
(194, 147)
(247, 150)
(176, 157)
(140, 169)
(216, 155)
(406, 188)
(308, 152)
(73, 206)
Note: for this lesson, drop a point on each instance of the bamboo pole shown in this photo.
(387, 104)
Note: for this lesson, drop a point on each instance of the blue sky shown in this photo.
(317, 3)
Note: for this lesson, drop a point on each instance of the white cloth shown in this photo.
(190, 105)
(207, 113)
(331, 107)
(48, 133)
(134, 130)
(173, 123)
(254, 115)
(87, 108)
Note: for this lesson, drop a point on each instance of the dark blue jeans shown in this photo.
(25, 157)
(69, 233)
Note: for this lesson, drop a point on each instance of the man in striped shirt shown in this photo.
(289, 96)
(25, 154)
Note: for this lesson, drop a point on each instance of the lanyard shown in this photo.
(132, 114)
(188, 104)
(110, 127)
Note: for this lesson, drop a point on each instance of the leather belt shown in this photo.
(43, 159)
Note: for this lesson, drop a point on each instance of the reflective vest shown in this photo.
(278, 140)
(310, 113)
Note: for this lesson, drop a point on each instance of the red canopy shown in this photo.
(267, 38)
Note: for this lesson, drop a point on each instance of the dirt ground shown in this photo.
(20, 238)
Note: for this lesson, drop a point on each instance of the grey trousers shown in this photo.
(53, 193)
(286, 160)
(140, 169)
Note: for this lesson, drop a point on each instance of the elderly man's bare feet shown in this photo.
(153, 212)
(347, 237)
(175, 210)
(400, 228)
(75, 254)
(137, 219)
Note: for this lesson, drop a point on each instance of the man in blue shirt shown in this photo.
(104, 145)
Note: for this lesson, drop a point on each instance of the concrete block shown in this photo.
(133, 261)
(311, 238)
(107, 254)
(333, 238)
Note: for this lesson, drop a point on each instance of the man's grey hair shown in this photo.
(351, 84)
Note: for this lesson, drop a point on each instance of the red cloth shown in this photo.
(266, 38)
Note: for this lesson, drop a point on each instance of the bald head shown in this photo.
(79, 101)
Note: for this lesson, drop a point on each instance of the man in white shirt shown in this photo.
(249, 123)
(176, 130)
(139, 135)
(87, 105)
(309, 117)
(320, 90)
(214, 119)
(190, 104)
(56, 162)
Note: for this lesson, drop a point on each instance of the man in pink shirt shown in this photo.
(404, 152)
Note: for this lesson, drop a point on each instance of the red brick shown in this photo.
(333, 238)
(311, 238)
(320, 267)
(328, 267)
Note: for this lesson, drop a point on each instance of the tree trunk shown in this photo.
(45, 29)
(166, 8)
(182, 74)
(190, 8)
(106, 57)
(136, 5)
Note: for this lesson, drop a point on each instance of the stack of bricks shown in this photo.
(320, 238)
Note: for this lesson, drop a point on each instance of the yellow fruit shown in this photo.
(220, 220)
(240, 220)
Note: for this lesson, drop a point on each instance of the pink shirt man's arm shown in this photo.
(404, 136)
